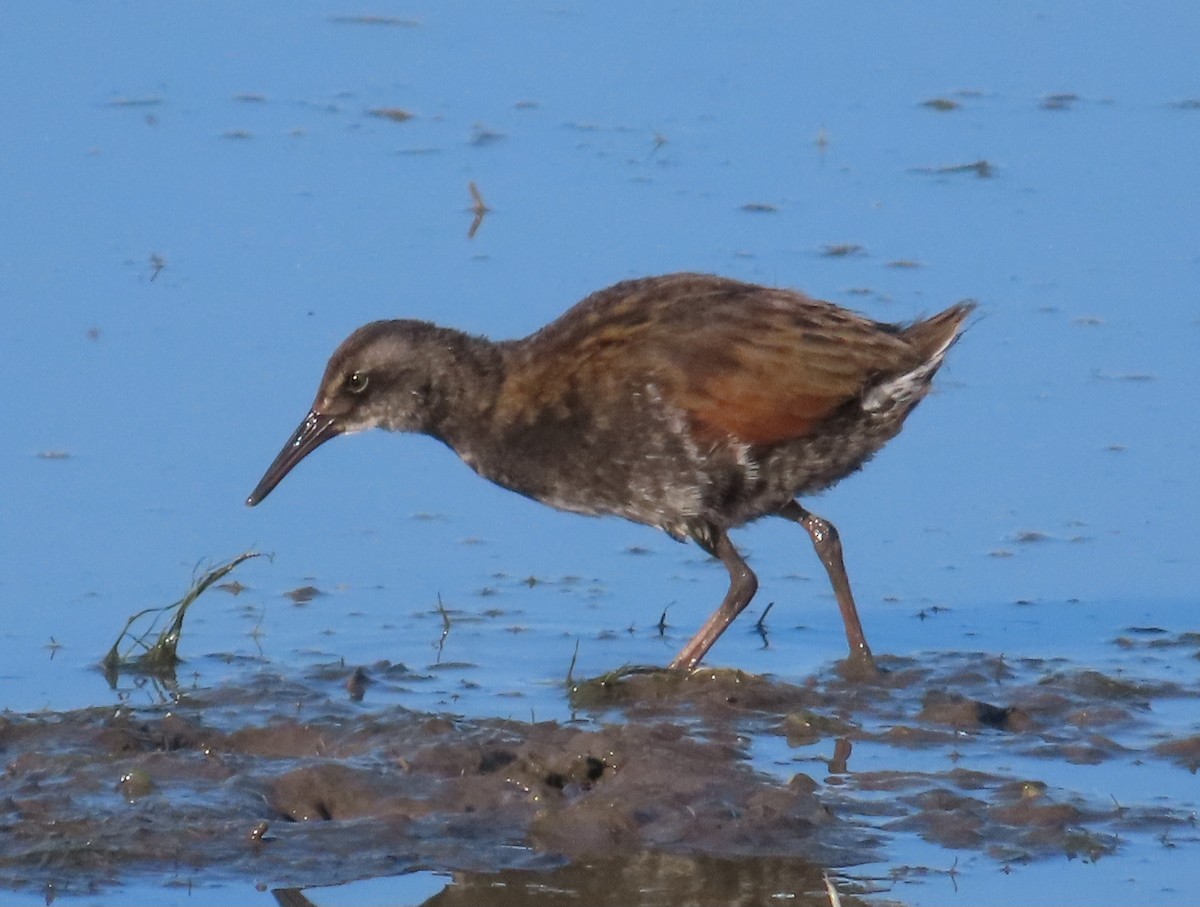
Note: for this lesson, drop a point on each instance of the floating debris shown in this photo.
(1030, 536)
(981, 168)
(390, 21)
(395, 114)
(482, 135)
(843, 250)
(148, 101)
(303, 594)
(759, 208)
(1126, 376)
(941, 105)
(1062, 101)
(478, 207)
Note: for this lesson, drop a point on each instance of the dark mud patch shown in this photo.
(91, 798)
(722, 787)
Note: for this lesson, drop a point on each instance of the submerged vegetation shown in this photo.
(157, 656)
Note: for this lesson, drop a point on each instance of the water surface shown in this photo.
(202, 201)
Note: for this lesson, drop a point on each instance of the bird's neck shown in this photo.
(464, 384)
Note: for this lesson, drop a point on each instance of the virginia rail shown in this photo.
(689, 402)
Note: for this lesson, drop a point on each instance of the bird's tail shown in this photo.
(930, 338)
(934, 336)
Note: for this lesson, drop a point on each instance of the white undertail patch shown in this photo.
(907, 388)
(901, 390)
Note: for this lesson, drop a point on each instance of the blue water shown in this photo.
(232, 145)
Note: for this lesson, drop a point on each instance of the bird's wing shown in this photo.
(741, 361)
(773, 375)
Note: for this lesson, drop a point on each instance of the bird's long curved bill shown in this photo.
(314, 431)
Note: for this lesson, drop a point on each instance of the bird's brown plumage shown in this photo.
(756, 364)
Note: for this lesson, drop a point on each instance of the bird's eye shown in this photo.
(356, 382)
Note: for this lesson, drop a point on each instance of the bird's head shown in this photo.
(381, 376)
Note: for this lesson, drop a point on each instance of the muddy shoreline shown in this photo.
(290, 781)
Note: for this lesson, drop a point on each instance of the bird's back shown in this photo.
(756, 363)
(673, 398)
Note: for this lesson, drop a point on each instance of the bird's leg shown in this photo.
(829, 549)
(742, 586)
